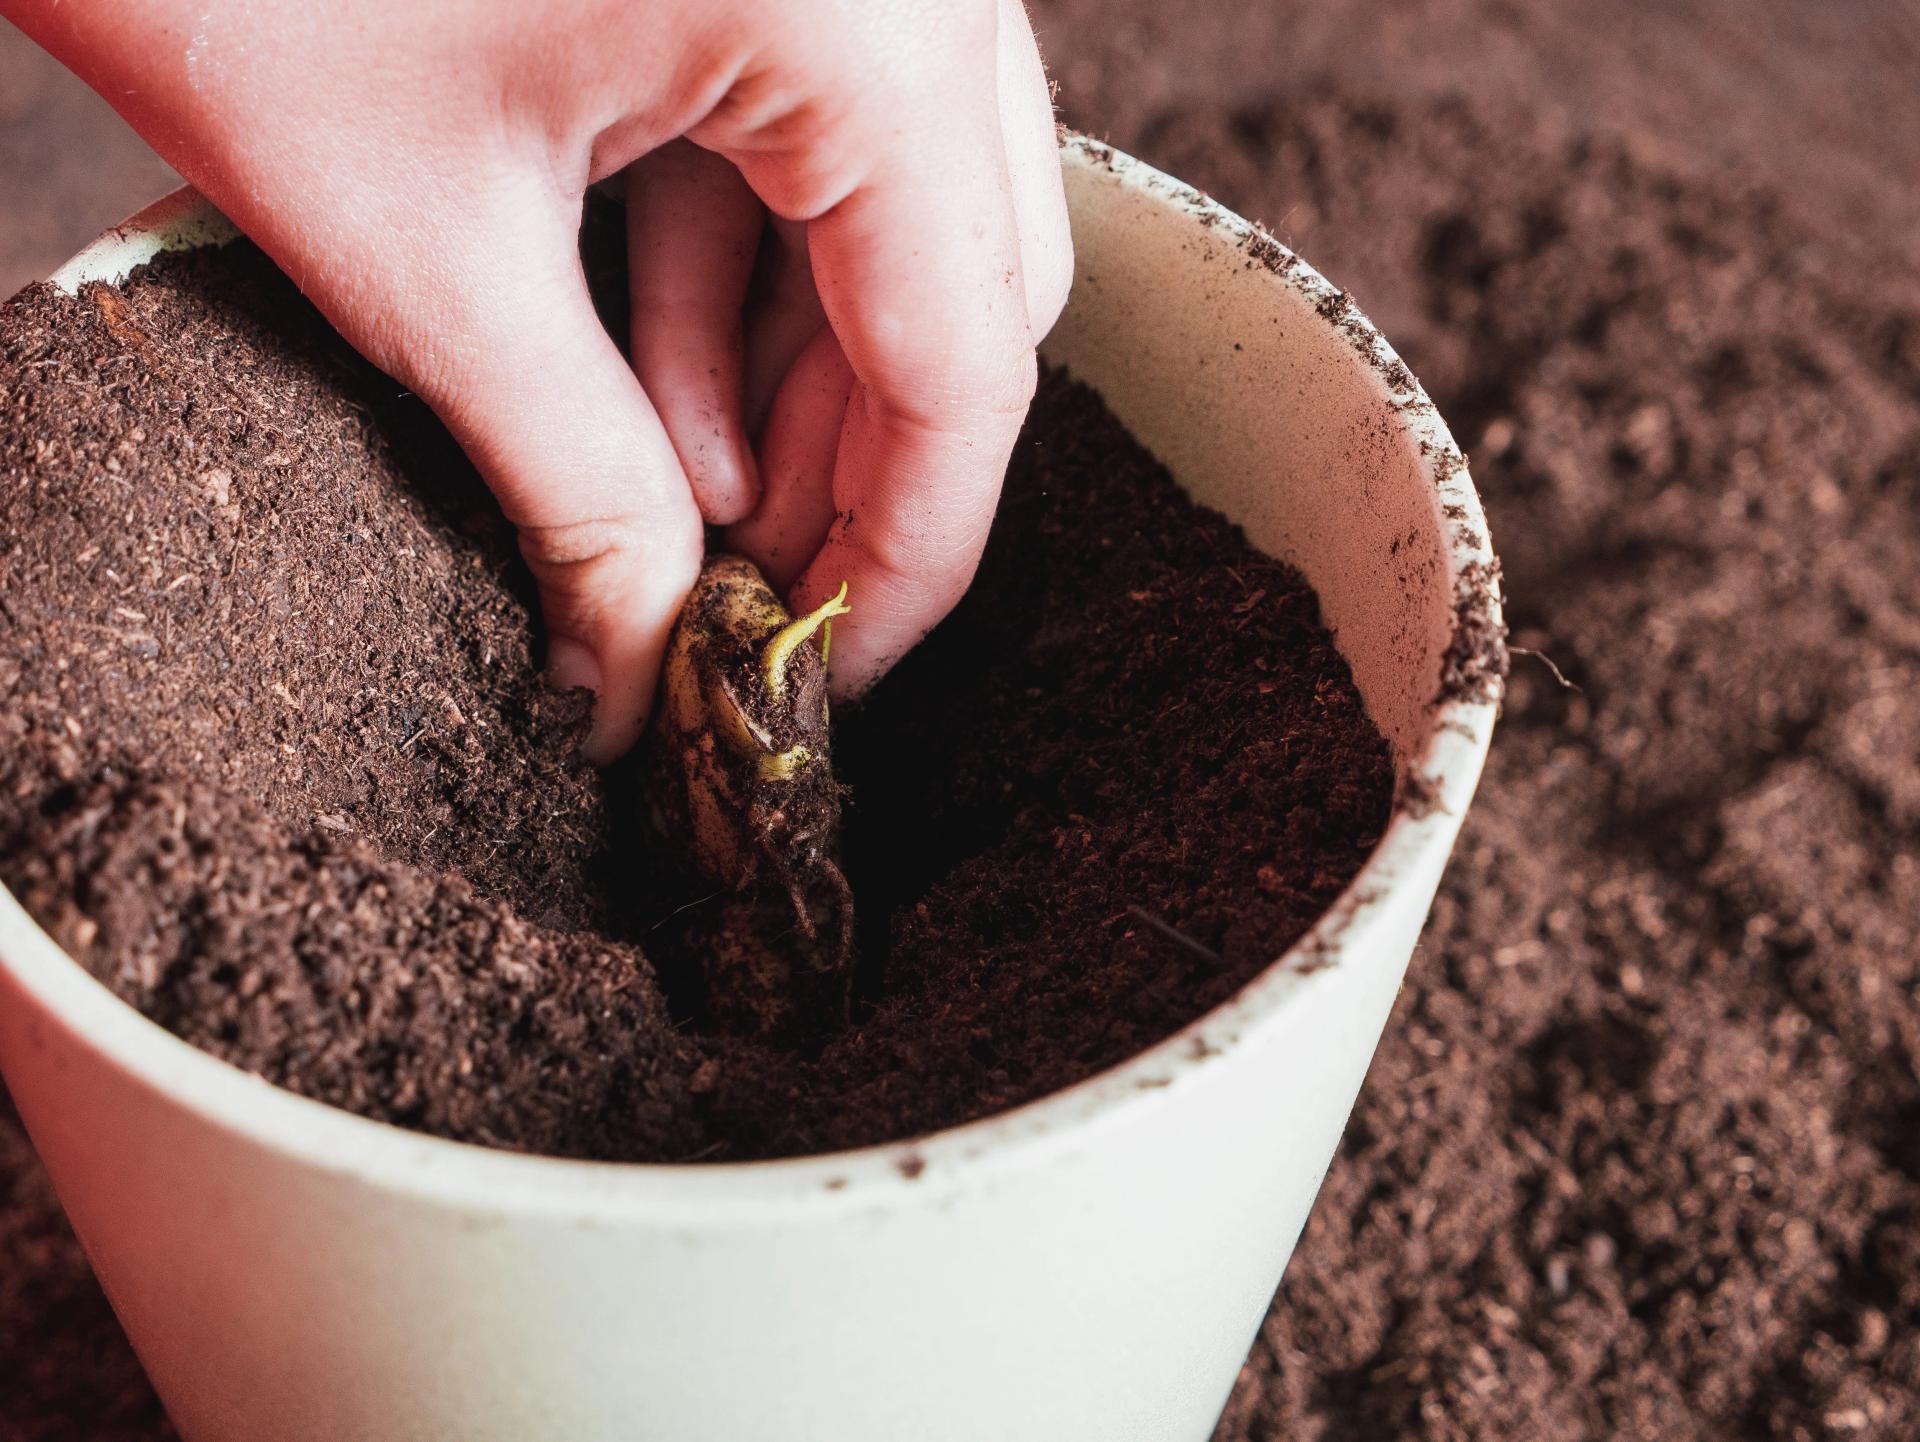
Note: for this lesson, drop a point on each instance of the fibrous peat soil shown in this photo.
(279, 766)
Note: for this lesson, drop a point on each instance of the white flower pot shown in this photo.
(1090, 1266)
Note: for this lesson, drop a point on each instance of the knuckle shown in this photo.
(964, 378)
(934, 566)
(980, 413)
(794, 144)
(995, 380)
(577, 549)
(899, 567)
(594, 571)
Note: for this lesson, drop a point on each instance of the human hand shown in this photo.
(419, 171)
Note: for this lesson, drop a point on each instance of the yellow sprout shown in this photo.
(782, 766)
(790, 637)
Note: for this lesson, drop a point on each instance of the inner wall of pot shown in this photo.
(1269, 414)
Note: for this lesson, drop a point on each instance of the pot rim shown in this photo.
(473, 1178)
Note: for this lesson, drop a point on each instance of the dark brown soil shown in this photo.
(392, 991)
(1637, 1156)
(279, 768)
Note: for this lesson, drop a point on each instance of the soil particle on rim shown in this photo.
(280, 769)
(1264, 250)
(1418, 795)
(1474, 667)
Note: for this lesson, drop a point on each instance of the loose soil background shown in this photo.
(1640, 1156)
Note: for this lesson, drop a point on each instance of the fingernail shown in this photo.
(730, 489)
(571, 664)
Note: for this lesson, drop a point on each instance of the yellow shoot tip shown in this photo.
(790, 637)
(783, 765)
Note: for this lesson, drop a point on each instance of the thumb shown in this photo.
(521, 371)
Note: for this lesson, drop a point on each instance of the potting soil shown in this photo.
(277, 763)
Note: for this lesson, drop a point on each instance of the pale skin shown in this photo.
(419, 169)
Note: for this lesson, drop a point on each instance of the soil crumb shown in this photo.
(280, 769)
